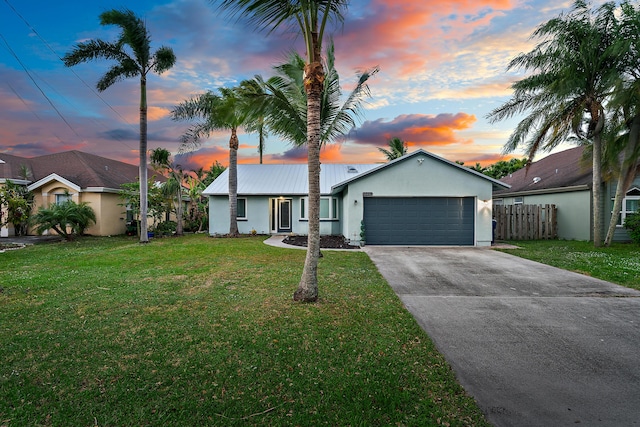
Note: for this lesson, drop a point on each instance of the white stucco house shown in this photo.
(418, 199)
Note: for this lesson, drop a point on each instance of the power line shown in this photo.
(34, 31)
(61, 60)
(29, 107)
(38, 86)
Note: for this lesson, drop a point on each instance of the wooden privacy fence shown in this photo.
(525, 222)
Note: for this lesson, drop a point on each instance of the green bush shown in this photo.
(632, 223)
(67, 219)
(165, 228)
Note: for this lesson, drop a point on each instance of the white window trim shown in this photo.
(246, 209)
(623, 212)
(518, 201)
(333, 202)
(64, 196)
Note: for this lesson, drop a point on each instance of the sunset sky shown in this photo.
(442, 69)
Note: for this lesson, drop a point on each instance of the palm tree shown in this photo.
(67, 219)
(225, 112)
(285, 101)
(624, 149)
(574, 69)
(311, 18)
(253, 92)
(161, 159)
(397, 149)
(132, 53)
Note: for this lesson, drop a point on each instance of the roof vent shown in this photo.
(1, 161)
(351, 169)
(537, 179)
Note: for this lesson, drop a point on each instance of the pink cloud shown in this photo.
(408, 37)
(414, 129)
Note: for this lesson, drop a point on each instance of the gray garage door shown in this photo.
(419, 220)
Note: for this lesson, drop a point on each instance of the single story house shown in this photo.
(418, 199)
(80, 176)
(565, 180)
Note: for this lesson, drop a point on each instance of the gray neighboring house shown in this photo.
(564, 179)
(418, 199)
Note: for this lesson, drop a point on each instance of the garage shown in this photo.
(419, 220)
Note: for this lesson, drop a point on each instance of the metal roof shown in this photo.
(287, 179)
(284, 179)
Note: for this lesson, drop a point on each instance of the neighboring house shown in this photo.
(418, 199)
(565, 180)
(75, 175)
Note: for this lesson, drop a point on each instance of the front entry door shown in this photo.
(284, 215)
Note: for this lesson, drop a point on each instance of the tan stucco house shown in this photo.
(83, 177)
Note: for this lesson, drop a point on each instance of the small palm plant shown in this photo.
(68, 219)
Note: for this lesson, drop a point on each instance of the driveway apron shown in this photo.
(534, 345)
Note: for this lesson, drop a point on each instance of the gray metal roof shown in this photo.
(284, 179)
(287, 179)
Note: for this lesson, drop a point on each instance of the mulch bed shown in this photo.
(326, 242)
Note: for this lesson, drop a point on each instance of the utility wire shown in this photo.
(29, 108)
(60, 58)
(38, 86)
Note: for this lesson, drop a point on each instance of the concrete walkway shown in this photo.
(535, 345)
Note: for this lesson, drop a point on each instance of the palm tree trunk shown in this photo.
(144, 238)
(625, 177)
(179, 212)
(314, 77)
(597, 191)
(261, 143)
(233, 184)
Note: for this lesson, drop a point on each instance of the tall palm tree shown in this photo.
(624, 149)
(224, 112)
(132, 53)
(397, 149)
(573, 70)
(311, 18)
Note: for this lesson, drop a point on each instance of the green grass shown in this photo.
(619, 263)
(202, 331)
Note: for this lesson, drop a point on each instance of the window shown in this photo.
(518, 200)
(328, 208)
(242, 208)
(630, 204)
(324, 208)
(61, 198)
(498, 202)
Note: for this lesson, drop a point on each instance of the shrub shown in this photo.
(165, 228)
(68, 219)
(632, 223)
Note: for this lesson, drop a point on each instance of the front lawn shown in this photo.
(619, 263)
(200, 331)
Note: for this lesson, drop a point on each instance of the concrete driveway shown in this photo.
(535, 345)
